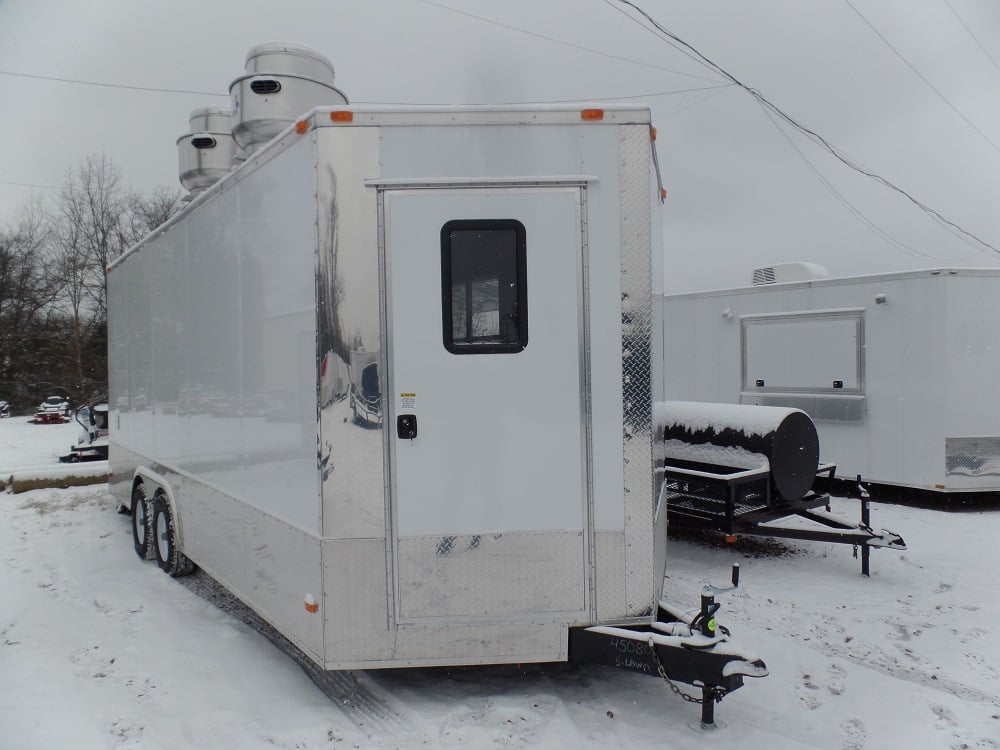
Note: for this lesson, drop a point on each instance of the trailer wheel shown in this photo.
(171, 560)
(140, 522)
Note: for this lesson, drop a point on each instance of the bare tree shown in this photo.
(147, 211)
(92, 229)
(97, 220)
(29, 284)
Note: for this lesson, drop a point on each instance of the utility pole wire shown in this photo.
(974, 37)
(815, 137)
(921, 76)
(109, 85)
(560, 41)
(854, 210)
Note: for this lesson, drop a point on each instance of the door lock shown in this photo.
(406, 426)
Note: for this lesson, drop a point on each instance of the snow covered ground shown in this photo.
(26, 445)
(100, 650)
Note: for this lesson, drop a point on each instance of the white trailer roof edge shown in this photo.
(838, 281)
(381, 115)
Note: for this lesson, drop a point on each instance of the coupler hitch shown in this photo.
(690, 648)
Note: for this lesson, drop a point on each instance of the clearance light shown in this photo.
(652, 133)
(730, 539)
(592, 114)
(301, 126)
(663, 194)
(342, 115)
(311, 605)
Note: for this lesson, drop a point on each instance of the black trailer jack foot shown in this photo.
(678, 647)
(709, 697)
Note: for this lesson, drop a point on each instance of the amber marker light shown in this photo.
(312, 606)
(342, 115)
(301, 126)
(592, 114)
(652, 133)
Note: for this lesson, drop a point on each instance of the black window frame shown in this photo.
(521, 281)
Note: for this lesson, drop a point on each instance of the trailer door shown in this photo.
(486, 407)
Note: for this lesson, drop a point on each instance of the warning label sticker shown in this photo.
(407, 401)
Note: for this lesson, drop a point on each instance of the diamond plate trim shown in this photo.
(538, 574)
(610, 554)
(972, 457)
(637, 384)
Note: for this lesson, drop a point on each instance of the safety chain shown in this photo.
(718, 693)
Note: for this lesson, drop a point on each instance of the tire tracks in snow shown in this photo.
(899, 671)
(371, 713)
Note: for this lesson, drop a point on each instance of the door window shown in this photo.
(484, 295)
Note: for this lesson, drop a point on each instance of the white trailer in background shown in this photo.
(898, 371)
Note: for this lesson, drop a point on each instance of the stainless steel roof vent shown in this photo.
(205, 155)
(282, 81)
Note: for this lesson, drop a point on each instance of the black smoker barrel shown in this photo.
(786, 437)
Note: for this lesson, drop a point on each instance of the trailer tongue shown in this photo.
(677, 646)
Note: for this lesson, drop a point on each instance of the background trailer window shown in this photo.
(814, 361)
(483, 286)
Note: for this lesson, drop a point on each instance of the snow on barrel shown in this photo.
(741, 436)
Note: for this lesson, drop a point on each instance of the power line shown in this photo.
(358, 101)
(647, 95)
(206, 93)
(560, 41)
(921, 76)
(109, 85)
(815, 137)
(696, 102)
(28, 184)
(974, 37)
(611, 4)
(854, 210)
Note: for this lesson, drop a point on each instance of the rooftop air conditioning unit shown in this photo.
(782, 272)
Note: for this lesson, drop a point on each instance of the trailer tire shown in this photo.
(141, 529)
(171, 560)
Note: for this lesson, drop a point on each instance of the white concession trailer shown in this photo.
(898, 371)
(388, 378)
(496, 265)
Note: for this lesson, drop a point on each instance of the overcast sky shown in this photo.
(740, 196)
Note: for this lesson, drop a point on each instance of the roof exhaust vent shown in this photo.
(782, 272)
(265, 86)
(282, 81)
(205, 155)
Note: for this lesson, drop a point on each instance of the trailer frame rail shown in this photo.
(717, 501)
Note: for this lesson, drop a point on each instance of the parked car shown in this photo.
(54, 409)
(4, 409)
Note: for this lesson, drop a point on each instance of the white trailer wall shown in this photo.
(404, 160)
(215, 383)
(928, 354)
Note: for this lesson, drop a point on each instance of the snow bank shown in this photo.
(29, 456)
(63, 475)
